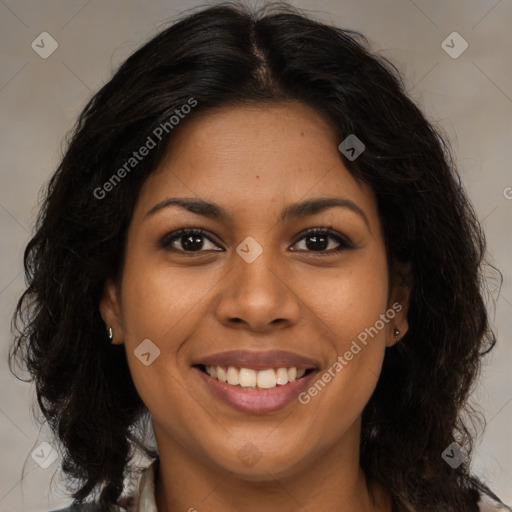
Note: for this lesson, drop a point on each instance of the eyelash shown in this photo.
(343, 242)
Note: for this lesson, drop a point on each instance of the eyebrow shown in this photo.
(193, 205)
(313, 206)
(293, 211)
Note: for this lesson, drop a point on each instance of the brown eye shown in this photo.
(322, 241)
(192, 242)
(317, 242)
(188, 240)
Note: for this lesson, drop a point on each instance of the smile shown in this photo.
(256, 382)
(255, 379)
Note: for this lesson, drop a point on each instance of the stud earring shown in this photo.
(396, 332)
(110, 334)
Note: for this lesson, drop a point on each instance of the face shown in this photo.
(253, 247)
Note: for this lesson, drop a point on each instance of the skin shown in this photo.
(253, 161)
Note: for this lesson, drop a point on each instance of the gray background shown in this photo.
(469, 97)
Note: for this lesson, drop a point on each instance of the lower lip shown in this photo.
(257, 401)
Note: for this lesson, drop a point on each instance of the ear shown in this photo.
(111, 311)
(399, 304)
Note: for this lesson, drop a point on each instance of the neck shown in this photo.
(332, 482)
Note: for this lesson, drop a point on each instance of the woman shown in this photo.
(275, 243)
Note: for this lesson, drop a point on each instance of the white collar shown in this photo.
(145, 497)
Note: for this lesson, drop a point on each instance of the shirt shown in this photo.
(144, 498)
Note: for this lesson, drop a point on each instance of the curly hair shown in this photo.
(231, 55)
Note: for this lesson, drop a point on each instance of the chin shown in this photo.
(251, 463)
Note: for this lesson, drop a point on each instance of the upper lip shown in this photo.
(258, 360)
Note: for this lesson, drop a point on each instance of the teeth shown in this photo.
(233, 376)
(282, 376)
(221, 374)
(248, 378)
(266, 379)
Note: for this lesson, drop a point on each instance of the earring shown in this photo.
(396, 332)
(110, 334)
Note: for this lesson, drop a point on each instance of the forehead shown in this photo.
(252, 156)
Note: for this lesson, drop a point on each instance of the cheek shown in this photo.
(347, 299)
(337, 398)
(159, 299)
(163, 304)
(160, 306)
(349, 306)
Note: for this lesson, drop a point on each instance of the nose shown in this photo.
(257, 296)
